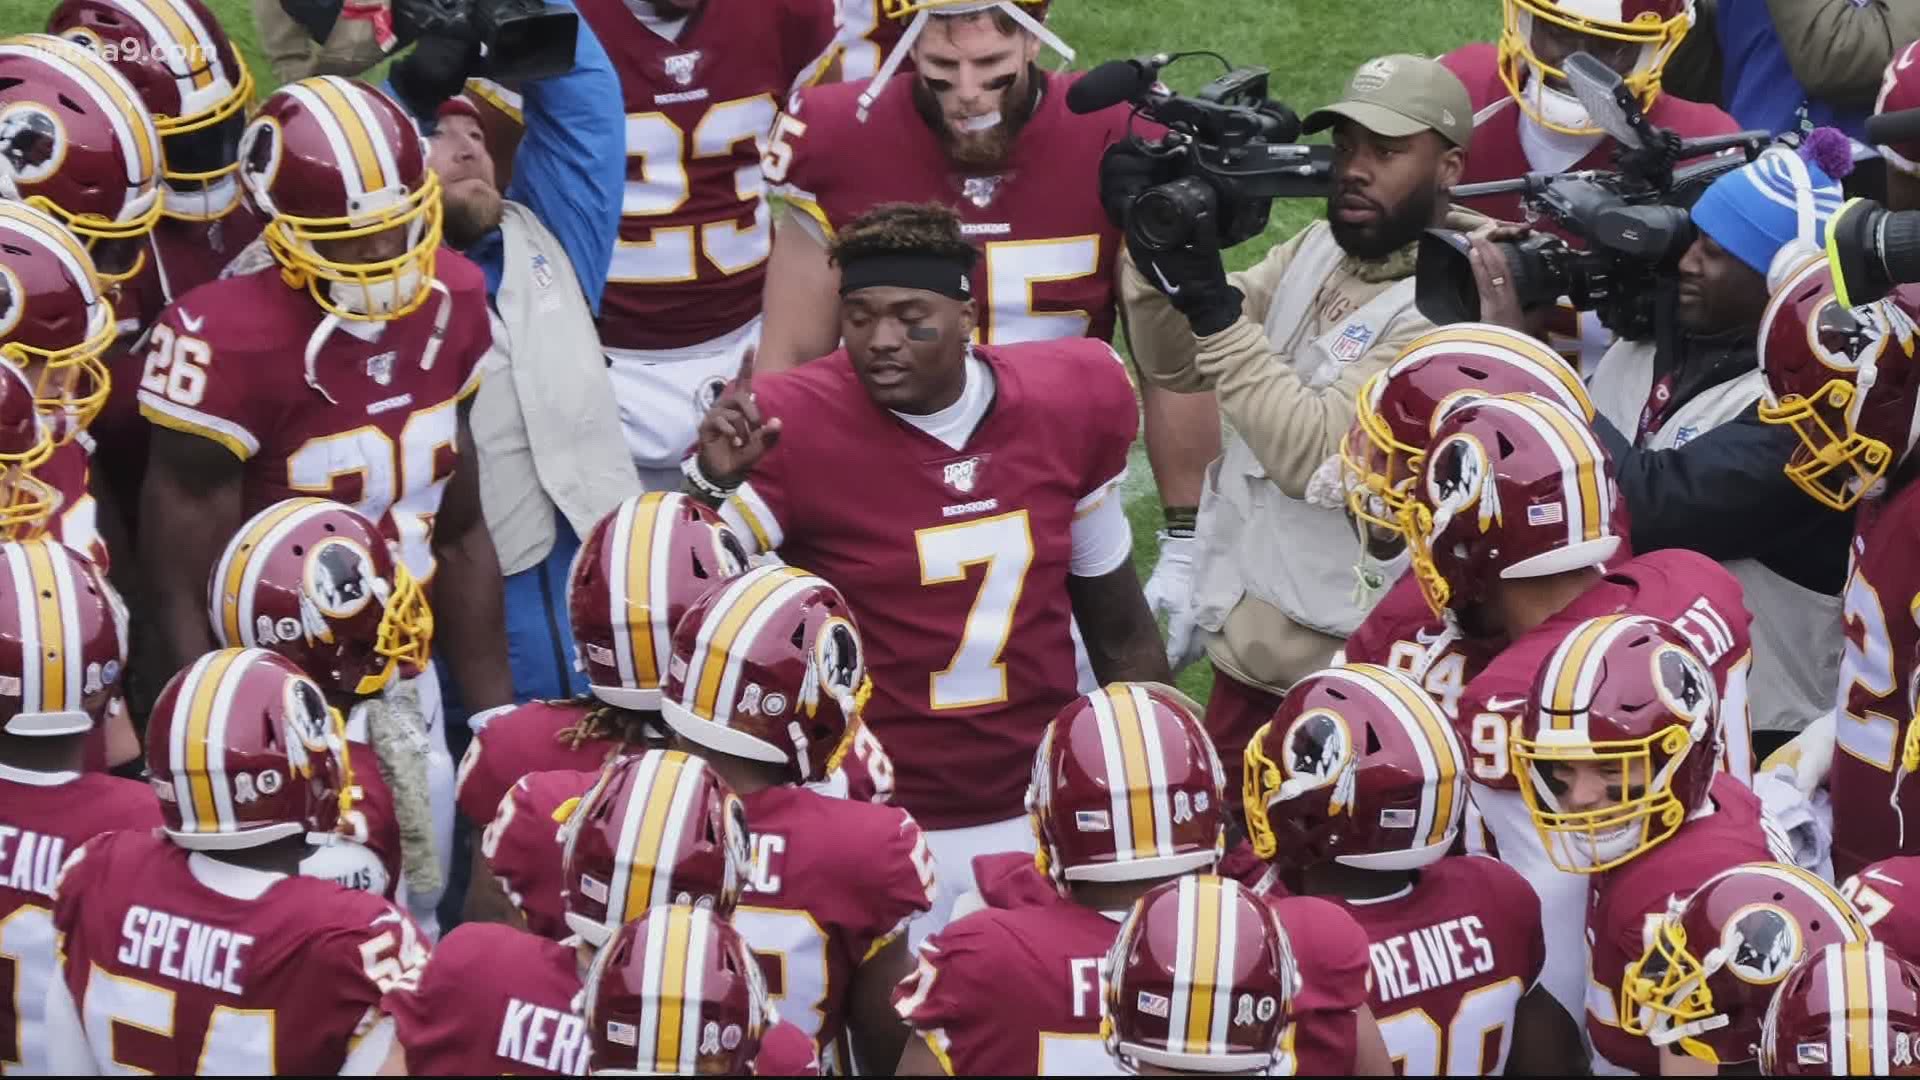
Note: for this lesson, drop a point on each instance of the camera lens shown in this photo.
(1163, 218)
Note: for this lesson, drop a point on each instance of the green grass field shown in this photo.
(1312, 46)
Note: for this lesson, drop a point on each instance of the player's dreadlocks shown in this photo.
(604, 722)
(899, 228)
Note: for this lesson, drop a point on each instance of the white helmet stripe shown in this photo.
(67, 593)
(1876, 958)
(699, 930)
(756, 622)
(335, 135)
(256, 565)
(1156, 770)
(28, 619)
(1223, 962)
(1838, 1008)
(177, 730)
(652, 983)
(1118, 802)
(645, 772)
(1182, 1005)
(729, 596)
(657, 587)
(618, 588)
(683, 800)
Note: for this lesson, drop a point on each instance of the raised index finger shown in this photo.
(743, 381)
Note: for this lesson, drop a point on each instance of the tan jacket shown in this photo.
(1290, 427)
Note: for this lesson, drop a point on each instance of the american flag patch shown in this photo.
(1545, 514)
(1092, 821)
(1810, 1053)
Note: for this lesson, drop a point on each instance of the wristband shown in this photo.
(1180, 520)
(690, 468)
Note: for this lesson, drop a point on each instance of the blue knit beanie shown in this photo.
(1754, 211)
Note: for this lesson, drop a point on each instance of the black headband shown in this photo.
(908, 270)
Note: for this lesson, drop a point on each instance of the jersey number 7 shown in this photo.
(1004, 545)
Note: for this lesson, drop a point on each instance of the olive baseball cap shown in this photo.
(1402, 95)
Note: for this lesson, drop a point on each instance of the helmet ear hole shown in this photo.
(1373, 740)
(799, 635)
(1505, 444)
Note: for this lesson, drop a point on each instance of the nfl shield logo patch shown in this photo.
(1352, 342)
(542, 271)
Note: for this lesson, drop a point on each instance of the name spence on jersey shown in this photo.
(1446, 952)
(179, 948)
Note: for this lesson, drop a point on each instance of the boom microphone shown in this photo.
(1115, 82)
(1893, 127)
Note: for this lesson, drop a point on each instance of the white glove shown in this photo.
(1170, 593)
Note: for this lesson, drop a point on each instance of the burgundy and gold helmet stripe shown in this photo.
(637, 582)
(237, 574)
(352, 130)
(1203, 984)
(750, 600)
(673, 982)
(665, 788)
(1427, 729)
(1575, 666)
(1136, 771)
(1857, 1013)
(50, 628)
(197, 735)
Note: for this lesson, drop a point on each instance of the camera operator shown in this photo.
(323, 37)
(1286, 346)
(552, 457)
(1696, 466)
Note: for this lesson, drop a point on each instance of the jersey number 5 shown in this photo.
(1004, 545)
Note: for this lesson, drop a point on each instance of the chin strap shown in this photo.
(919, 24)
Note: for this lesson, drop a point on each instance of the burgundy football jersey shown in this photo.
(510, 743)
(1452, 957)
(1330, 950)
(1402, 629)
(866, 37)
(695, 229)
(377, 429)
(172, 977)
(955, 561)
(832, 881)
(1685, 588)
(493, 1001)
(40, 826)
(1011, 879)
(1887, 895)
(1047, 249)
(181, 257)
(1496, 153)
(77, 521)
(523, 848)
(1014, 992)
(1882, 622)
(1625, 904)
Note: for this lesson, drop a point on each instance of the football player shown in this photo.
(690, 963)
(961, 455)
(1846, 1010)
(979, 127)
(1899, 91)
(314, 581)
(1526, 117)
(636, 574)
(1382, 459)
(703, 80)
(1715, 959)
(390, 329)
(1126, 794)
(1879, 894)
(62, 636)
(766, 680)
(196, 86)
(200, 948)
(656, 828)
(1163, 986)
(1354, 792)
(1847, 383)
(868, 34)
(1509, 534)
(1616, 752)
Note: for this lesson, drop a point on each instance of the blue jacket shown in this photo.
(571, 166)
(1758, 86)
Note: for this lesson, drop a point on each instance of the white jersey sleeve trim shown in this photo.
(1102, 536)
(750, 516)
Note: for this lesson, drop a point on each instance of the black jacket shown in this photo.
(1725, 493)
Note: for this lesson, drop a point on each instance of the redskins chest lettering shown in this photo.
(963, 483)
